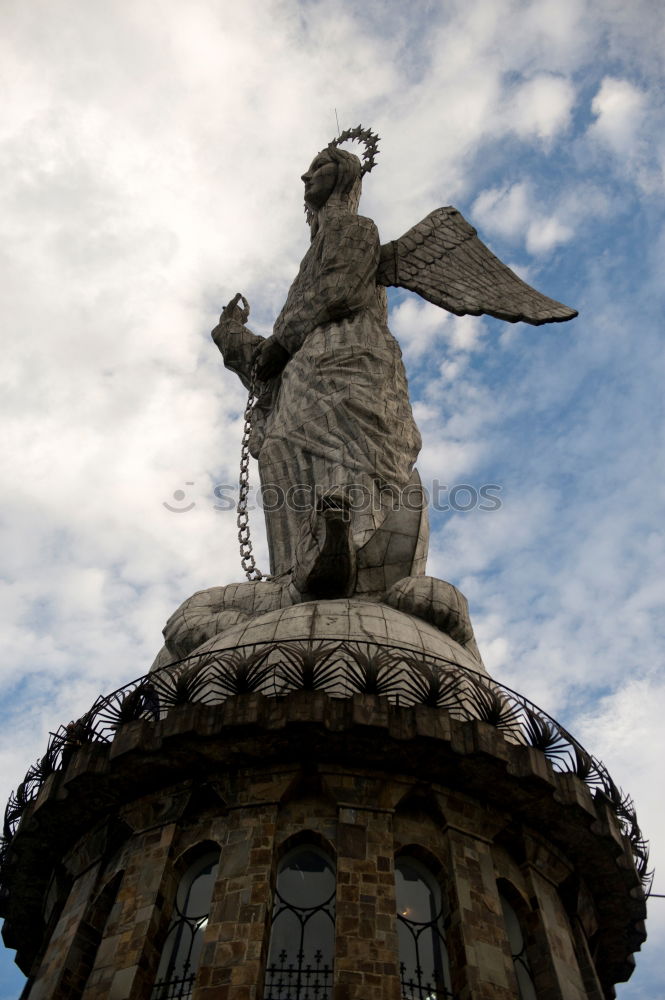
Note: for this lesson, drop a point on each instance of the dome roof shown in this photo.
(344, 620)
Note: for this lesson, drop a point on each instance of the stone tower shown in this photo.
(318, 792)
(333, 800)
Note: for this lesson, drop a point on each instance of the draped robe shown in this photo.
(338, 421)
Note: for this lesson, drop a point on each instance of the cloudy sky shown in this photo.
(151, 155)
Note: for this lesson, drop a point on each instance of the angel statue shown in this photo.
(332, 427)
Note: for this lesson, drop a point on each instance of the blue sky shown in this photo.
(151, 162)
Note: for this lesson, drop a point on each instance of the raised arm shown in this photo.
(236, 342)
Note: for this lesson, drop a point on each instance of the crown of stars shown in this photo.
(368, 138)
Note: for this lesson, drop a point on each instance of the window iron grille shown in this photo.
(175, 987)
(523, 972)
(424, 965)
(302, 939)
(416, 986)
(518, 947)
(301, 980)
(182, 949)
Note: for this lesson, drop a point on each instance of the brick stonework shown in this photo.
(127, 958)
(456, 796)
(236, 937)
(366, 966)
(58, 972)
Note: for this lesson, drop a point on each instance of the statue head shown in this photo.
(334, 177)
(333, 172)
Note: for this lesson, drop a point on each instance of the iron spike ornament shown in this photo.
(332, 426)
(368, 138)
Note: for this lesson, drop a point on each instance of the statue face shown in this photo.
(320, 180)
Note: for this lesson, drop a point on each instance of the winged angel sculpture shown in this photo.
(331, 425)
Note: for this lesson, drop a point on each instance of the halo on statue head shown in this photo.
(369, 139)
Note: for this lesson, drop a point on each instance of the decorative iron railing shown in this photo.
(419, 986)
(340, 668)
(175, 987)
(304, 980)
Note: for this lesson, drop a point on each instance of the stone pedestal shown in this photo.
(92, 865)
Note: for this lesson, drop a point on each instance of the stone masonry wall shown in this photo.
(360, 818)
(361, 779)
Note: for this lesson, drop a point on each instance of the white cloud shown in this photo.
(514, 213)
(420, 326)
(542, 106)
(545, 234)
(619, 107)
(505, 210)
(466, 332)
(417, 325)
(629, 126)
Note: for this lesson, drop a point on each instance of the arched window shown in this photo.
(423, 956)
(523, 974)
(302, 939)
(182, 949)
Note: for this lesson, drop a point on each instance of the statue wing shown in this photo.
(442, 259)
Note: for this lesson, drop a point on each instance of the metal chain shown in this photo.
(252, 572)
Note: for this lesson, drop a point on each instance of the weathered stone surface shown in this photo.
(334, 423)
(377, 779)
(437, 602)
(222, 616)
(442, 259)
(350, 619)
(332, 427)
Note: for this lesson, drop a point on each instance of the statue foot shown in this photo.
(211, 612)
(438, 603)
(330, 570)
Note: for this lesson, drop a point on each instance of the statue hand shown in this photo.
(240, 314)
(272, 359)
(236, 341)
